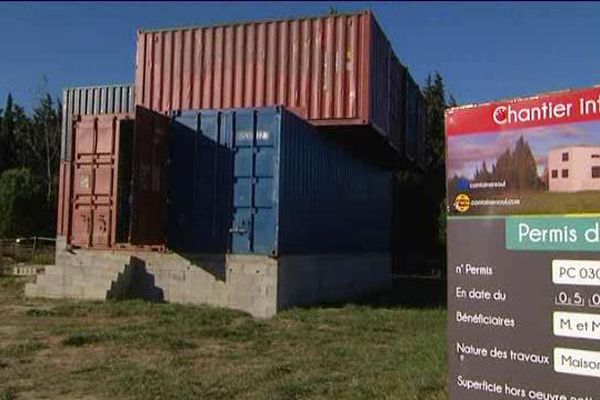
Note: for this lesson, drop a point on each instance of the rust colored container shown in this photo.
(416, 123)
(64, 197)
(96, 145)
(78, 101)
(334, 70)
(92, 100)
(149, 184)
(113, 192)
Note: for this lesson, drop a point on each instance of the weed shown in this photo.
(81, 339)
(8, 394)
(21, 350)
(40, 313)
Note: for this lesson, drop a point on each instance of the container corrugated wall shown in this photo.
(64, 198)
(113, 191)
(330, 201)
(265, 181)
(415, 126)
(149, 158)
(387, 87)
(81, 101)
(102, 99)
(333, 70)
(94, 185)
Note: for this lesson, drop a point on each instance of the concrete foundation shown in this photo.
(257, 284)
(28, 269)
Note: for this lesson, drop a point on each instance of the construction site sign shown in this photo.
(523, 184)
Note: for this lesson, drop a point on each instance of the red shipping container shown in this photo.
(97, 139)
(64, 196)
(149, 179)
(335, 70)
(113, 192)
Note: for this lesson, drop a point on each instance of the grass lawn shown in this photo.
(136, 350)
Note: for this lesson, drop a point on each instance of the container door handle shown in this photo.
(240, 230)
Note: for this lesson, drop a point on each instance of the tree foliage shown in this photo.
(438, 100)
(30, 144)
(7, 156)
(517, 167)
(22, 204)
(423, 199)
(44, 135)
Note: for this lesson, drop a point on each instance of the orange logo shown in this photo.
(462, 202)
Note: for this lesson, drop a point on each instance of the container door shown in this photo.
(182, 137)
(148, 211)
(64, 199)
(254, 219)
(213, 164)
(94, 181)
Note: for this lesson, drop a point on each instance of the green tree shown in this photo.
(422, 200)
(32, 142)
(437, 100)
(2, 162)
(44, 140)
(7, 137)
(22, 204)
(526, 175)
(483, 174)
(518, 168)
(21, 127)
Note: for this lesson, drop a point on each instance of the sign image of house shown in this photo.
(574, 168)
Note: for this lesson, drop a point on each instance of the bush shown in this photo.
(22, 204)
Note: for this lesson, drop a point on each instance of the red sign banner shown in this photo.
(549, 109)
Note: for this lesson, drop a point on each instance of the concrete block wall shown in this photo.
(257, 284)
(180, 278)
(252, 283)
(72, 277)
(313, 279)
(28, 270)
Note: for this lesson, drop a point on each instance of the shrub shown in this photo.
(22, 205)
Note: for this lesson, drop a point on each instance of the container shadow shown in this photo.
(200, 186)
(214, 264)
(406, 292)
(143, 283)
(411, 291)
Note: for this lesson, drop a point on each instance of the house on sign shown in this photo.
(574, 168)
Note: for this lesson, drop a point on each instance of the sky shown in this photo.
(468, 152)
(484, 51)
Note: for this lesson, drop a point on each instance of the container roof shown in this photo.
(247, 22)
(100, 86)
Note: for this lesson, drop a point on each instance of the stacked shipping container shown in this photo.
(115, 180)
(260, 153)
(265, 181)
(415, 123)
(77, 102)
(339, 72)
(97, 193)
(93, 100)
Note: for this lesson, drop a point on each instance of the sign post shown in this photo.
(523, 180)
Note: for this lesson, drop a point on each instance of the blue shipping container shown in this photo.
(265, 181)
